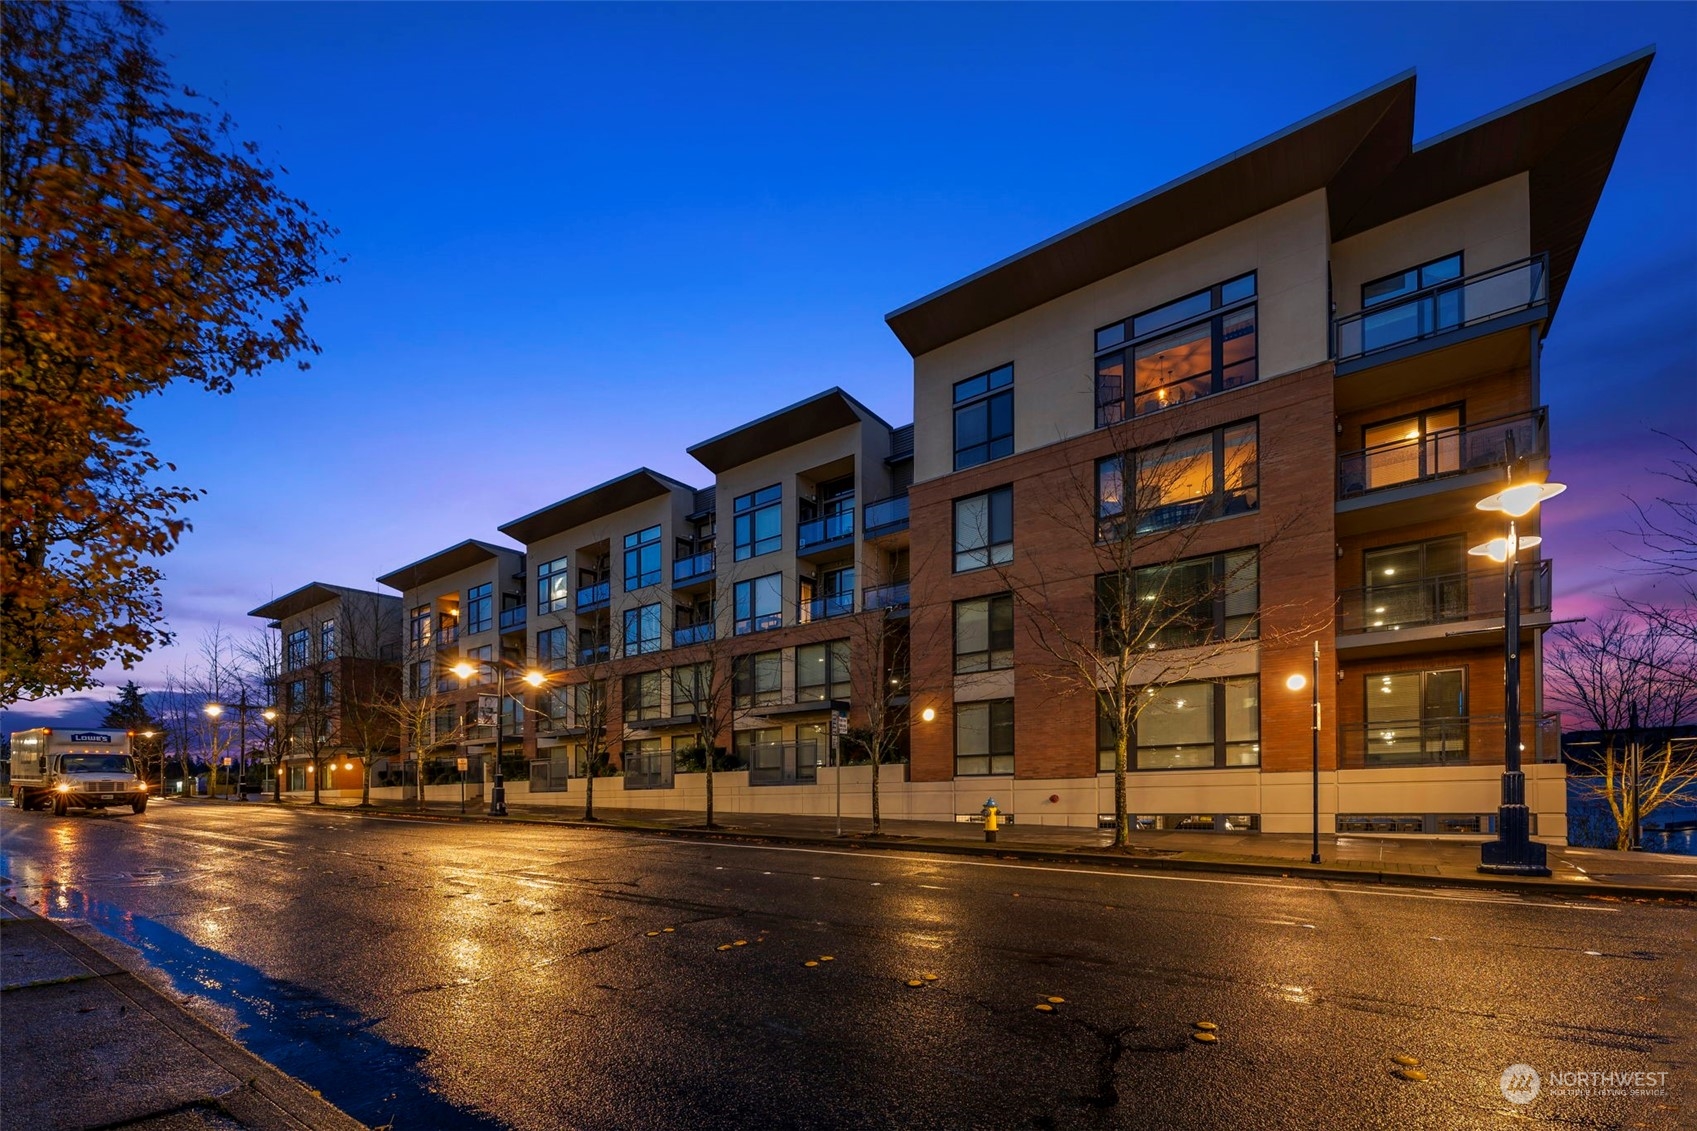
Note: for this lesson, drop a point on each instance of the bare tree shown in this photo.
(1625, 675)
(1149, 598)
(367, 673)
(1665, 532)
(421, 717)
(878, 689)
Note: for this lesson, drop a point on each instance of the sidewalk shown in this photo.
(1415, 861)
(86, 1044)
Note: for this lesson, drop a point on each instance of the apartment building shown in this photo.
(1288, 377)
(339, 657)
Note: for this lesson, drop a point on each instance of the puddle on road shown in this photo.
(308, 1036)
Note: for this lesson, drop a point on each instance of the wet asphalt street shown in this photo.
(439, 975)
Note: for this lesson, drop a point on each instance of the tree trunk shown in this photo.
(709, 756)
(317, 776)
(1122, 818)
(589, 795)
(365, 785)
(877, 820)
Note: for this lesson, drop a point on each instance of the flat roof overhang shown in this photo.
(1362, 152)
(586, 506)
(805, 420)
(455, 558)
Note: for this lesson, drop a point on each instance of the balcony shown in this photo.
(823, 608)
(763, 622)
(1406, 616)
(447, 637)
(693, 570)
(828, 533)
(594, 597)
(512, 620)
(1516, 293)
(886, 517)
(1468, 740)
(1415, 480)
(894, 596)
(685, 635)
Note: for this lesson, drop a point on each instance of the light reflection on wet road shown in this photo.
(447, 975)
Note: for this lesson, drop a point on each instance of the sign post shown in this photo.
(839, 727)
(462, 764)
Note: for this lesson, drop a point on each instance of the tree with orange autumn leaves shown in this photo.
(141, 245)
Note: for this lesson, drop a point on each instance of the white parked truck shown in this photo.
(69, 768)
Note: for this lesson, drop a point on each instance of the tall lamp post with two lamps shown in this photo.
(465, 670)
(1514, 852)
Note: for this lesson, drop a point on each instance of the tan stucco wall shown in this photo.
(1052, 346)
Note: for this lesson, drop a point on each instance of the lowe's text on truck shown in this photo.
(69, 769)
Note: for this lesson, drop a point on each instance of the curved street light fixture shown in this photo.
(465, 669)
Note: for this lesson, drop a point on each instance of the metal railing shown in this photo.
(1443, 309)
(1468, 740)
(831, 528)
(823, 608)
(1476, 595)
(784, 763)
(648, 771)
(687, 634)
(594, 595)
(762, 623)
(693, 567)
(886, 514)
(892, 596)
(1450, 451)
(447, 635)
(512, 619)
(549, 776)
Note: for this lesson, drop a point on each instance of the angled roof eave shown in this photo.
(459, 556)
(299, 600)
(603, 499)
(793, 424)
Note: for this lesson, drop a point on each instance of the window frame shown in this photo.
(1218, 503)
(648, 704)
(747, 511)
(327, 639)
(1111, 410)
(640, 545)
(835, 657)
(1221, 737)
(985, 393)
(991, 551)
(644, 618)
(551, 576)
(992, 602)
(743, 595)
(295, 649)
(748, 690)
(992, 727)
(480, 608)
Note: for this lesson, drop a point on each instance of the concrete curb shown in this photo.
(1581, 889)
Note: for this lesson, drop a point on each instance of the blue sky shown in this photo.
(581, 238)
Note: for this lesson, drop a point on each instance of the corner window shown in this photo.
(641, 697)
(984, 634)
(1201, 725)
(984, 530)
(757, 680)
(480, 608)
(984, 738)
(1194, 347)
(642, 558)
(1194, 478)
(759, 604)
(759, 522)
(984, 417)
(553, 586)
(822, 672)
(642, 630)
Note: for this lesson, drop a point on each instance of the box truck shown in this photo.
(69, 768)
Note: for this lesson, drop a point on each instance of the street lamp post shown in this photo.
(1514, 852)
(1296, 683)
(214, 711)
(465, 670)
(270, 717)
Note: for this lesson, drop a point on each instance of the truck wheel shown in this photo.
(139, 805)
(61, 806)
(18, 797)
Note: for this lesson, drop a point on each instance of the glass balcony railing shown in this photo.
(886, 515)
(1466, 740)
(512, 620)
(447, 635)
(894, 596)
(594, 596)
(692, 568)
(1477, 595)
(685, 635)
(831, 528)
(764, 622)
(1443, 309)
(823, 608)
(1449, 451)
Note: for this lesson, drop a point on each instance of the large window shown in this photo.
(1181, 604)
(553, 586)
(553, 648)
(589, 705)
(1193, 347)
(692, 689)
(642, 558)
(1414, 584)
(1194, 478)
(984, 634)
(1420, 446)
(759, 604)
(1416, 717)
(984, 417)
(1416, 303)
(480, 608)
(984, 530)
(294, 649)
(418, 627)
(327, 640)
(642, 630)
(1205, 724)
(822, 672)
(418, 685)
(641, 697)
(984, 738)
(484, 659)
(759, 522)
(757, 680)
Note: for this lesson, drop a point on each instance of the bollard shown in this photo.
(992, 821)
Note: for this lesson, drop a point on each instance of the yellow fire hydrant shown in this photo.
(992, 821)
